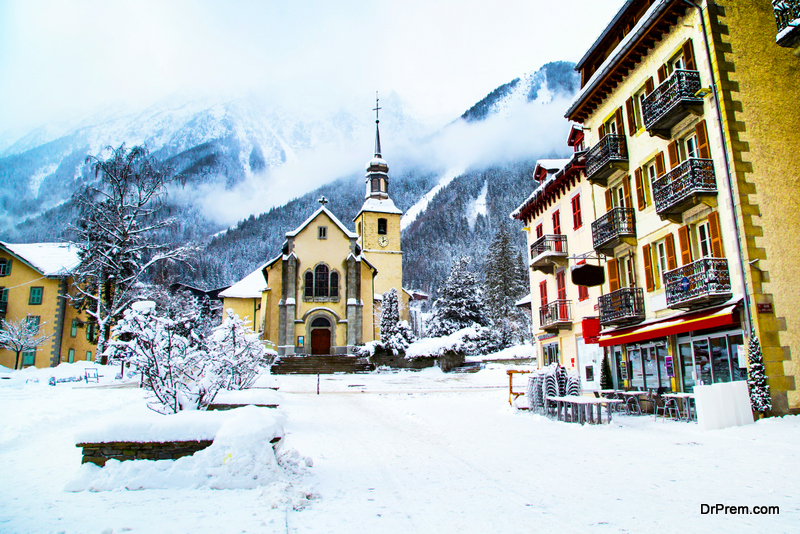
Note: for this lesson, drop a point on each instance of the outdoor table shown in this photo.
(581, 409)
(635, 396)
(685, 400)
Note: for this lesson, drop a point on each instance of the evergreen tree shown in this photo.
(396, 335)
(605, 375)
(505, 282)
(757, 378)
(460, 303)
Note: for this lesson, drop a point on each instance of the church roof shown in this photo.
(249, 287)
(382, 205)
(330, 215)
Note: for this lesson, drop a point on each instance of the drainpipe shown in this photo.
(740, 264)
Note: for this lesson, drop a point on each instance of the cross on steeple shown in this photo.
(377, 107)
(322, 200)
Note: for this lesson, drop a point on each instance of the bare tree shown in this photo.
(119, 216)
(20, 336)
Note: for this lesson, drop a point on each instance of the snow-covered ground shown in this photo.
(411, 452)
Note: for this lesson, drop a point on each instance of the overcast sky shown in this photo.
(58, 58)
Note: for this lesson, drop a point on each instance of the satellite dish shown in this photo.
(588, 275)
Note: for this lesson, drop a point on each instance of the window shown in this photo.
(3, 299)
(626, 276)
(73, 332)
(539, 230)
(321, 281)
(620, 197)
(91, 328)
(71, 356)
(692, 148)
(5, 267)
(36, 295)
(557, 222)
(381, 226)
(334, 292)
(583, 293)
(638, 106)
(376, 185)
(322, 232)
(321, 284)
(704, 240)
(543, 293)
(33, 323)
(561, 285)
(577, 220)
(661, 261)
(29, 357)
(88, 355)
(308, 292)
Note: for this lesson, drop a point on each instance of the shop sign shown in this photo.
(764, 308)
(670, 366)
(623, 366)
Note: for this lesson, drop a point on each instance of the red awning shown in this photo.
(674, 325)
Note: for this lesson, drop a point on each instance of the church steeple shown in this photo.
(377, 168)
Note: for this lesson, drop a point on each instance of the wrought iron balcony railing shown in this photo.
(623, 306)
(671, 101)
(548, 251)
(615, 227)
(556, 314)
(701, 282)
(687, 184)
(605, 157)
(787, 17)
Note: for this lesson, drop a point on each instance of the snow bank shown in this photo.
(248, 396)
(436, 346)
(240, 457)
(77, 370)
(511, 353)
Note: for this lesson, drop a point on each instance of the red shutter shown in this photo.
(577, 219)
(557, 222)
(672, 151)
(688, 55)
(683, 242)
(613, 275)
(649, 86)
(539, 230)
(672, 262)
(602, 131)
(543, 292)
(561, 284)
(640, 200)
(660, 168)
(702, 139)
(662, 73)
(631, 116)
(609, 200)
(648, 268)
(716, 235)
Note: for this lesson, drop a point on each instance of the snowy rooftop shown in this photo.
(552, 164)
(249, 287)
(380, 206)
(50, 259)
(332, 217)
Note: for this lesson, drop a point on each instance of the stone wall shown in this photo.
(100, 453)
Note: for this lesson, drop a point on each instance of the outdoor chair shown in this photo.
(632, 406)
(657, 401)
(670, 407)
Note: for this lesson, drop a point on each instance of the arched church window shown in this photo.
(321, 322)
(376, 184)
(381, 226)
(321, 281)
(309, 289)
(334, 292)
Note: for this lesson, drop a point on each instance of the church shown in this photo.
(322, 294)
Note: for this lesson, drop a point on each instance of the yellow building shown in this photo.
(687, 109)
(322, 294)
(34, 282)
(557, 218)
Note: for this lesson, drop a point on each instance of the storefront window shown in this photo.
(635, 371)
(687, 366)
(734, 342)
(719, 357)
(619, 366)
(664, 379)
(703, 362)
(650, 369)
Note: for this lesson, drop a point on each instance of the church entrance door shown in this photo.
(320, 341)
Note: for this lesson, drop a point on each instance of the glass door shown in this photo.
(734, 342)
(687, 366)
(702, 362)
(663, 378)
(720, 361)
(650, 367)
(635, 371)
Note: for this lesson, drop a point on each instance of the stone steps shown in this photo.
(320, 364)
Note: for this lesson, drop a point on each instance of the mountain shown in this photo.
(456, 185)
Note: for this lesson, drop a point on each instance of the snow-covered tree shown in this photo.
(236, 354)
(118, 217)
(460, 303)
(21, 336)
(172, 364)
(757, 378)
(396, 335)
(505, 282)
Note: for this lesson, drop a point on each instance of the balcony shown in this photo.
(702, 282)
(605, 158)
(690, 183)
(614, 228)
(549, 252)
(787, 17)
(671, 102)
(556, 315)
(623, 306)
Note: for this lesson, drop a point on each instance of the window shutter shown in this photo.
(672, 151)
(683, 241)
(649, 86)
(557, 222)
(648, 268)
(672, 262)
(716, 236)
(602, 131)
(640, 200)
(660, 168)
(543, 292)
(620, 124)
(662, 73)
(702, 139)
(8, 266)
(613, 275)
(626, 190)
(609, 200)
(561, 285)
(688, 55)
(631, 116)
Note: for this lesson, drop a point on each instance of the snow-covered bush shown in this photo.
(460, 304)
(396, 335)
(438, 346)
(236, 355)
(171, 362)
